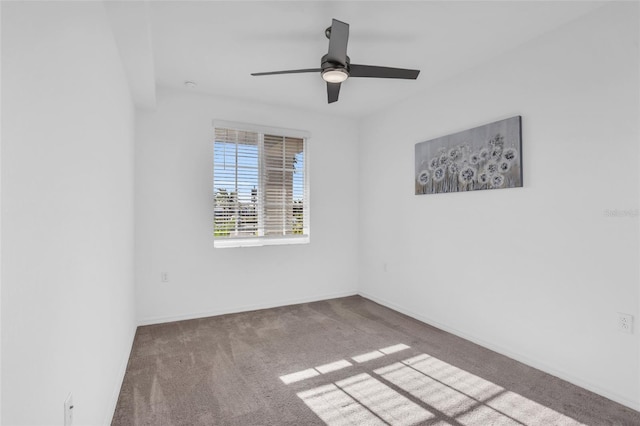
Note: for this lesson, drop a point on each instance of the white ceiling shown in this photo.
(218, 44)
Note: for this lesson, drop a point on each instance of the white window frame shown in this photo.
(262, 240)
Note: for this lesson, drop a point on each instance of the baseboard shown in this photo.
(120, 378)
(509, 353)
(244, 308)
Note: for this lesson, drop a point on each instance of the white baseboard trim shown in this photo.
(635, 405)
(244, 308)
(119, 379)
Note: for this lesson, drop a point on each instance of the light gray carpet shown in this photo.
(345, 361)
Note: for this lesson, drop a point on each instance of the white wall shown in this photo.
(539, 272)
(174, 214)
(67, 214)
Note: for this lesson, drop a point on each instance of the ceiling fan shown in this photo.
(336, 67)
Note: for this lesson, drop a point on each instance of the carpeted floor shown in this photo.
(345, 361)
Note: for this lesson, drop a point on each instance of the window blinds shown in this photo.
(259, 184)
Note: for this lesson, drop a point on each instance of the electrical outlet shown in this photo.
(164, 277)
(625, 323)
(68, 410)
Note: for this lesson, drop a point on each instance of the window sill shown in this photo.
(258, 242)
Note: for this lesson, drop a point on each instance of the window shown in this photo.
(259, 185)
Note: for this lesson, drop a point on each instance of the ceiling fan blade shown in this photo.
(288, 71)
(333, 90)
(338, 42)
(381, 72)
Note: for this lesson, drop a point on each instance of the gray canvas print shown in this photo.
(485, 157)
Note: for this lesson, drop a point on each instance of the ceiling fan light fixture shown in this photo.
(335, 75)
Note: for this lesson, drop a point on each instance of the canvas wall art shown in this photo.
(485, 157)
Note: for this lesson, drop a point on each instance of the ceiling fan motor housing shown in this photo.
(324, 64)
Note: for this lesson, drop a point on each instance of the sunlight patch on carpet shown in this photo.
(388, 404)
(299, 375)
(367, 357)
(336, 408)
(340, 364)
(414, 390)
(333, 366)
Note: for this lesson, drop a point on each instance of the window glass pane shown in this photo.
(284, 185)
(236, 183)
(298, 195)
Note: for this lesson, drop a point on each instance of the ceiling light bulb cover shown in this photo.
(190, 84)
(335, 75)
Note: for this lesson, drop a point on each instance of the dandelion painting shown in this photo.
(485, 157)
